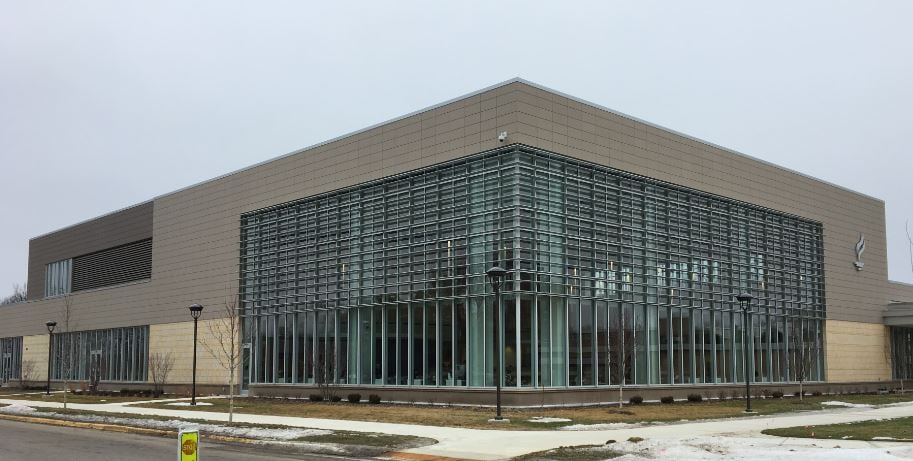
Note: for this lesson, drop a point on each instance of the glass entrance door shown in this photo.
(6, 368)
(245, 370)
(96, 362)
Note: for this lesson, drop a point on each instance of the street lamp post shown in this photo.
(745, 300)
(195, 311)
(51, 325)
(496, 275)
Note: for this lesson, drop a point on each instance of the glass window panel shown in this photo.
(527, 316)
(509, 350)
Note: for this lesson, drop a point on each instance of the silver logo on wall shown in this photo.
(860, 248)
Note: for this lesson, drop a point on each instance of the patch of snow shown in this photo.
(187, 404)
(260, 433)
(17, 409)
(835, 403)
(897, 404)
(883, 438)
(598, 427)
(327, 448)
(546, 419)
(753, 449)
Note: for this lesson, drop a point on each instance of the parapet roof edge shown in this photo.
(152, 200)
(450, 101)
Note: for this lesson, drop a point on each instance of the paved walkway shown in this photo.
(500, 444)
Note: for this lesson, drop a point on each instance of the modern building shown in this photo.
(361, 261)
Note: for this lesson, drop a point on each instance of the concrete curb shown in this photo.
(117, 428)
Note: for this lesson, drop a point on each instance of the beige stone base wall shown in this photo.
(177, 339)
(857, 351)
(173, 338)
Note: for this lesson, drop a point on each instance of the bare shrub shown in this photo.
(160, 366)
(324, 376)
(64, 356)
(803, 362)
(26, 373)
(224, 343)
(623, 347)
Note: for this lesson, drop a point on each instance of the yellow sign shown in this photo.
(188, 444)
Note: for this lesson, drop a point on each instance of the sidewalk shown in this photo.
(499, 444)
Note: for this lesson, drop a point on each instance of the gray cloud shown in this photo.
(106, 104)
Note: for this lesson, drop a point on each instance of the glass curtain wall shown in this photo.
(613, 278)
(10, 359)
(117, 354)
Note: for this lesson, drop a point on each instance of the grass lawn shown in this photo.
(575, 453)
(14, 390)
(389, 441)
(900, 429)
(477, 417)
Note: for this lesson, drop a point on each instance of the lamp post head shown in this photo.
(496, 275)
(195, 311)
(51, 325)
(744, 297)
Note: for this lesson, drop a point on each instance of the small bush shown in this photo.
(765, 393)
(335, 398)
(354, 398)
(636, 400)
(816, 393)
(315, 398)
(635, 439)
(374, 398)
(695, 398)
(777, 394)
(721, 395)
(667, 399)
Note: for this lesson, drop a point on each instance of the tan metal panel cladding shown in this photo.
(196, 230)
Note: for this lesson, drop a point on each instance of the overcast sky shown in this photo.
(107, 104)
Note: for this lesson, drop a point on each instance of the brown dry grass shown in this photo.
(73, 398)
(477, 417)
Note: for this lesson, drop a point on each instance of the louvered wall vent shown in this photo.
(125, 263)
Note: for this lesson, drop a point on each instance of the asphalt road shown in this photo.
(31, 442)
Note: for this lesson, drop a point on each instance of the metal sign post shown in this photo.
(189, 444)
